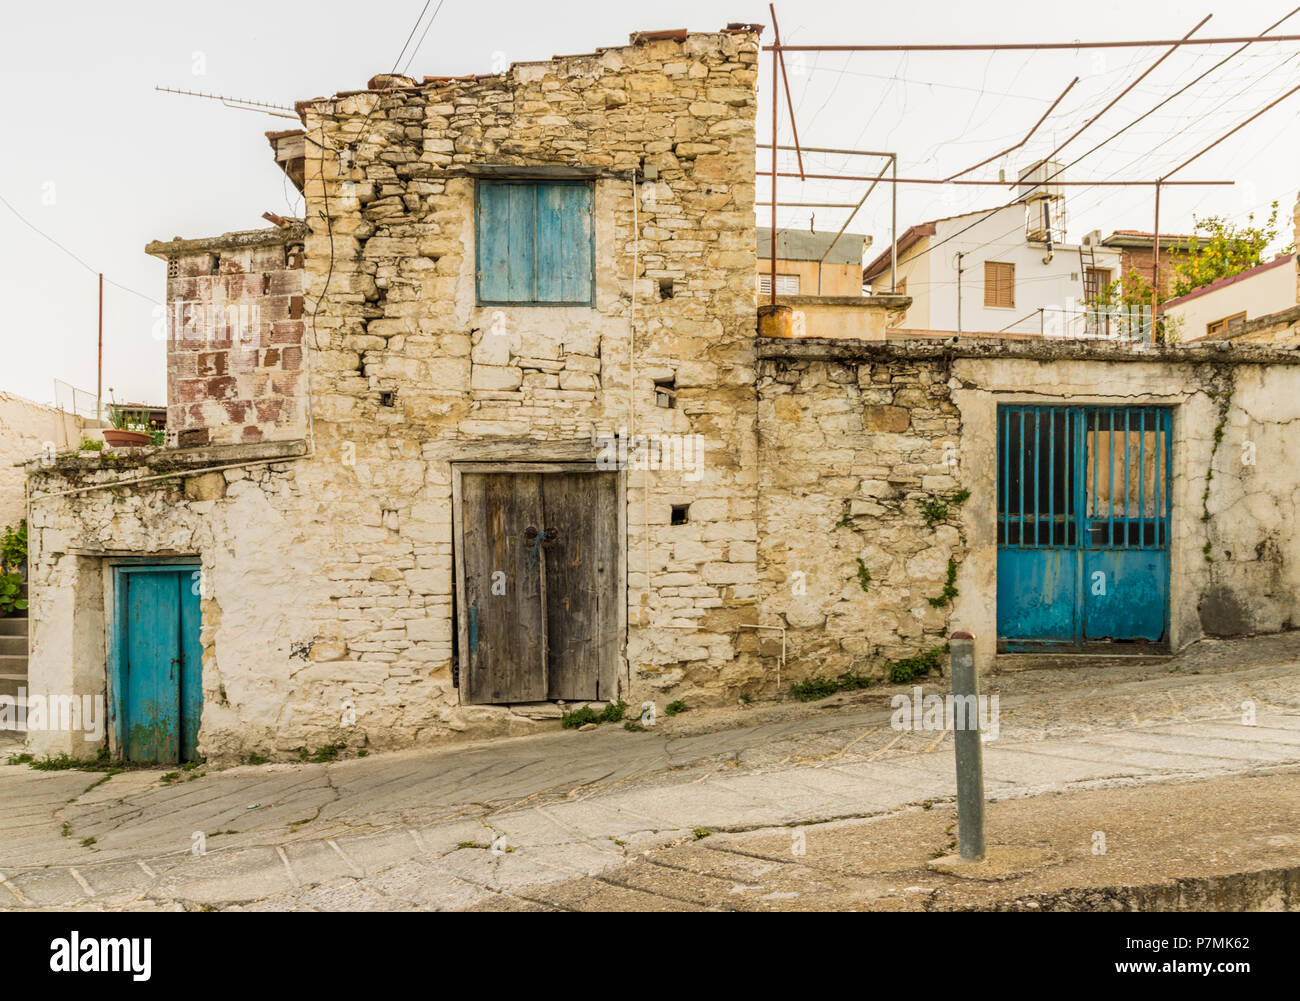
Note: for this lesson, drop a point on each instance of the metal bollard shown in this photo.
(970, 755)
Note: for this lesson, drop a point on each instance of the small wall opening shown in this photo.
(666, 393)
(680, 515)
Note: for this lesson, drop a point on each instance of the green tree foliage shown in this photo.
(1221, 248)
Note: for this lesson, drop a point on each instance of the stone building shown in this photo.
(493, 430)
(1135, 254)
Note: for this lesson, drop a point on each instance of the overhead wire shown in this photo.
(76, 257)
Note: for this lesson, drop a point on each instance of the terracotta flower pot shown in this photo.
(127, 439)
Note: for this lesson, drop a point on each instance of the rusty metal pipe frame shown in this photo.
(1001, 184)
(1181, 90)
(829, 149)
(1164, 181)
(789, 99)
(775, 140)
(1155, 236)
(1155, 266)
(1028, 135)
(1173, 47)
(893, 162)
(1022, 46)
(813, 205)
(1268, 107)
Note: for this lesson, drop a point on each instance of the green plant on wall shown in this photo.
(949, 587)
(864, 575)
(935, 508)
(1223, 396)
(13, 547)
(11, 594)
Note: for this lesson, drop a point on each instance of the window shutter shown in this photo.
(506, 214)
(999, 284)
(564, 253)
(535, 243)
(785, 284)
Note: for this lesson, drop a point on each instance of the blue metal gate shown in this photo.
(1083, 525)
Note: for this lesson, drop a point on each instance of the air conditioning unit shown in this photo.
(1045, 220)
(1093, 239)
(1035, 183)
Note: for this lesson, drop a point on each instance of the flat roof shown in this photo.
(803, 245)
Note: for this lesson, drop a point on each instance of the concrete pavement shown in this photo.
(501, 824)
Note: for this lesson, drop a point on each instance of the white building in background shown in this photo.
(1005, 269)
(1217, 309)
(29, 429)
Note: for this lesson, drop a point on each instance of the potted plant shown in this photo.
(130, 428)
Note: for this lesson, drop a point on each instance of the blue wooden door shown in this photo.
(1083, 525)
(157, 677)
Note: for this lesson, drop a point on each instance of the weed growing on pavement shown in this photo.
(612, 713)
(322, 755)
(910, 668)
(813, 688)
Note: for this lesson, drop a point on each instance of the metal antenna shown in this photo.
(238, 103)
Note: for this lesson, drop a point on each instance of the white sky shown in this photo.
(92, 156)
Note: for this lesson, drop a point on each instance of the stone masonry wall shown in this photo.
(329, 576)
(235, 338)
(859, 511)
(412, 374)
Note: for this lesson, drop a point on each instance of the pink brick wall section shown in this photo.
(235, 347)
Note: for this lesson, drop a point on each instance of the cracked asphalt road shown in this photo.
(497, 824)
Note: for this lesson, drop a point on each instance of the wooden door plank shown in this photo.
(493, 248)
(152, 668)
(581, 582)
(191, 672)
(522, 241)
(505, 651)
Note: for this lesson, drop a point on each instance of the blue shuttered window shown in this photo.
(535, 243)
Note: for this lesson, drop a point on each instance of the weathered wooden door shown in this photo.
(537, 566)
(157, 684)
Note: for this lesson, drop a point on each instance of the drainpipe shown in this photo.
(960, 255)
(99, 383)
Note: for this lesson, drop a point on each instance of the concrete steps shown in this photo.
(13, 655)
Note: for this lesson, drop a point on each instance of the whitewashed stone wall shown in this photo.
(331, 574)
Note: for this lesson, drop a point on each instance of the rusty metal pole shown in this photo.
(776, 103)
(1155, 266)
(970, 753)
(99, 382)
(893, 229)
(789, 98)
